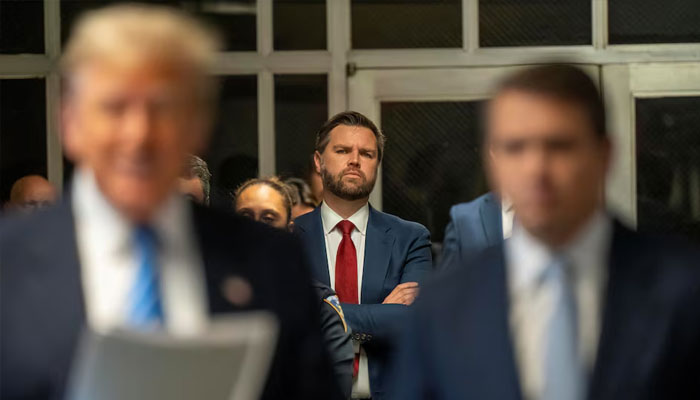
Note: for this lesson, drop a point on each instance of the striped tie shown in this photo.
(145, 308)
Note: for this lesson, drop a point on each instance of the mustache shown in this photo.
(355, 170)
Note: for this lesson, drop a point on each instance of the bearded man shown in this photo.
(373, 260)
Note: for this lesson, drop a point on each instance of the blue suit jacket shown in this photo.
(458, 343)
(473, 227)
(396, 251)
(42, 309)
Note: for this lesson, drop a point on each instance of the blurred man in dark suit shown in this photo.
(572, 306)
(125, 251)
(374, 261)
(475, 226)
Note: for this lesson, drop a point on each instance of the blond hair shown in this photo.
(129, 33)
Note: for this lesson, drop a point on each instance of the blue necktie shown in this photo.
(145, 308)
(564, 376)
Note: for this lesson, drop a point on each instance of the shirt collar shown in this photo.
(529, 257)
(330, 218)
(93, 211)
(506, 205)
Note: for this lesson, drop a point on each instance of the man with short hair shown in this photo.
(195, 183)
(374, 261)
(574, 305)
(30, 193)
(125, 251)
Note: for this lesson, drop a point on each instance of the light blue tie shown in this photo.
(564, 376)
(145, 308)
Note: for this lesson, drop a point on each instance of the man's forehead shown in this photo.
(106, 73)
(350, 135)
(522, 111)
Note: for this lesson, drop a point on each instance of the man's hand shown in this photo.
(404, 294)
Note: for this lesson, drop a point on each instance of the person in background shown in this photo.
(303, 201)
(313, 179)
(574, 305)
(475, 226)
(265, 200)
(374, 261)
(268, 200)
(195, 183)
(31, 193)
(125, 250)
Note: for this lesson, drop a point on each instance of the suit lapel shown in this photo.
(314, 240)
(62, 252)
(632, 333)
(488, 343)
(490, 212)
(378, 245)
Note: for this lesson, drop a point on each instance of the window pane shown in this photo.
(235, 19)
(398, 24)
(21, 26)
(301, 107)
(653, 21)
(668, 165)
(299, 24)
(233, 153)
(22, 131)
(534, 22)
(432, 160)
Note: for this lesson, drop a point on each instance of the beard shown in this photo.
(336, 185)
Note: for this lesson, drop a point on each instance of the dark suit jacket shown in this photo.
(458, 343)
(42, 309)
(474, 226)
(396, 251)
(336, 337)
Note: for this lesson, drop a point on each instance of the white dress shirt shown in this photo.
(507, 216)
(333, 236)
(531, 304)
(108, 261)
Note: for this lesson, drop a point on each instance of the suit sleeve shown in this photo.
(339, 346)
(383, 322)
(450, 244)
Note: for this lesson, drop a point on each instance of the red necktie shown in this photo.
(346, 272)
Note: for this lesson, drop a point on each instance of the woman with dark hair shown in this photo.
(270, 201)
(266, 200)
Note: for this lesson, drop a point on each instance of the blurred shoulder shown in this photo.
(470, 207)
(18, 228)
(669, 251)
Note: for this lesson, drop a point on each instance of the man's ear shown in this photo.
(317, 162)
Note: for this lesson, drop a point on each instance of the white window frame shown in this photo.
(624, 83)
(265, 62)
(369, 88)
